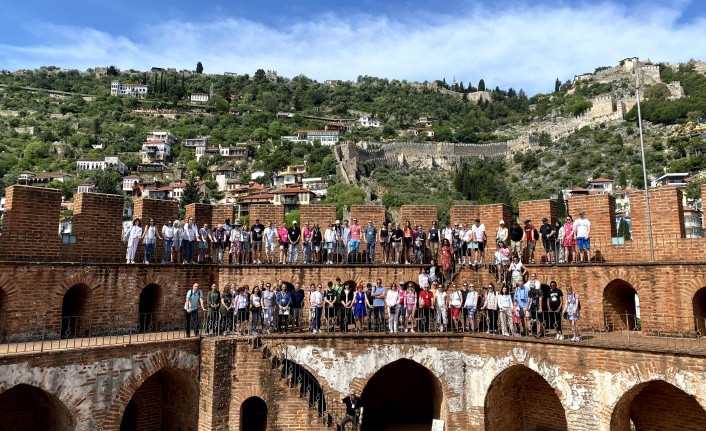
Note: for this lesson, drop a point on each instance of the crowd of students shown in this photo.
(341, 243)
(526, 309)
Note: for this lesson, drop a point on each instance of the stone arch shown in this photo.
(167, 400)
(512, 401)
(27, 407)
(698, 303)
(422, 401)
(172, 359)
(75, 311)
(619, 306)
(149, 307)
(78, 278)
(253, 414)
(657, 406)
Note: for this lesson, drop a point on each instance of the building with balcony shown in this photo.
(325, 137)
(132, 90)
(292, 198)
(366, 121)
(316, 185)
(86, 188)
(671, 179)
(199, 97)
(196, 142)
(693, 222)
(103, 164)
(156, 151)
(600, 186)
(129, 183)
(294, 174)
(166, 137)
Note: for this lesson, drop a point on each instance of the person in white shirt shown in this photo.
(469, 245)
(582, 232)
(501, 233)
(167, 241)
(316, 299)
(132, 238)
(270, 235)
(392, 298)
(188, 241)
(479, 239)
(329, 240)
(149, 240)
(177, 235)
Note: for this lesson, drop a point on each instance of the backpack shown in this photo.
(535, 234)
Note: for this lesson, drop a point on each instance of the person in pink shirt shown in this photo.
(306, 237)
(354, 243)
(283, 243)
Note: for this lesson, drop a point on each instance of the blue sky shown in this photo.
(507, 43)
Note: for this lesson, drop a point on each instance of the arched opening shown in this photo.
(699, 306)
(74, 311)
(384, 406)
(620, 310)
(149, 307)
(253, 415)
(657, 406)
(26, 407)
(513, 400)
(167, 400)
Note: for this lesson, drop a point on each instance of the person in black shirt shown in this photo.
(548, 233)
(354, 410)
(516, 235)
(555, 304)
(434, 242)
(316, 240)
(396, 239)
(296, 302)
(329, 306)
(257, 230)
(293, 236)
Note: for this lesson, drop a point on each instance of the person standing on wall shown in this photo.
(188, 241)
(213, 302)
(132, 238)
(167, 240)
(194, 298)
(370, 238)
(149, 239)
(582, 232)
(257, 232)
(434, 241)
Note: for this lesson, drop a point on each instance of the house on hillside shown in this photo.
(103, 164)
(600, 185)
(293, 198)
(199, 97)
(47, 177)
(325, 137)
(366, 121)
(132, 90)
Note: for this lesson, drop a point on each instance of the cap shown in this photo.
(338, 221)
(544, 219)
(502, 222)
(401, 283)
(294, 222)
(581, 212)
(527, 220)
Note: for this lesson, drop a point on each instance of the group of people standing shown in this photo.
(527, 309)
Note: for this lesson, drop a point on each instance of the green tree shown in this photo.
(342, 194)
(292, 216)
(481, 85)
(199, 68)
(191, 194)
(557, 85)
(108, 181)
(624, 230)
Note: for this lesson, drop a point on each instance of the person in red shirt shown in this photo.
(426, 301)
(530, 240)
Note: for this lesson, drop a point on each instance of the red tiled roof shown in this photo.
(601, 180)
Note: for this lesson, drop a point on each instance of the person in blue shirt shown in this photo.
(522, 296)
(296, 302)
(194, 297)
(283, 300)
(378, 294)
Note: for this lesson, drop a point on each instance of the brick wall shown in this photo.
(267, 213)
(97, 224)
(489, 215)
(419, 214)
(202, 213)
(30, 224)
(321, 214)
(666, 207)
(161, 210)
(600, 210)
(537, 210)
(220, 213)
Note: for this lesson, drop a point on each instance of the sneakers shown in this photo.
(559, 336)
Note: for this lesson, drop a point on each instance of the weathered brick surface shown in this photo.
(220, 213)
(419, 214)
(599, 209)
(321, 214)
(29, 224)
(667, 213)
(489, 215)
(537, 210)
(267, 213)
(202, 213)
(97, 224)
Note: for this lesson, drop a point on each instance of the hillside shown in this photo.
(584, 129)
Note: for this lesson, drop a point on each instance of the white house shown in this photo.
(86, 188)
(600, 186)
(156, 151)
(325, 137)
(196, 142)
(129, 183)
(165, 137)
(101, 164)
(199, 97)
(367, 121)
(134, 90)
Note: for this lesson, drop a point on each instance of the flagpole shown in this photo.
(644, 165)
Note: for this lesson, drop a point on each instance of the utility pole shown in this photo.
(644, 165)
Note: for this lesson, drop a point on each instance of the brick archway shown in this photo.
(150, 307)
(402, 392)
(253, 414)
(512, 401)
(167, 400)
(28, 407)
(657, 406)
(75, 311)
(619, 306)
(698, 303)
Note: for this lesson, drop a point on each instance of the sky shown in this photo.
(518, 44)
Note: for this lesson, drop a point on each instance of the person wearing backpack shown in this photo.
(530, 238)
(194, 298)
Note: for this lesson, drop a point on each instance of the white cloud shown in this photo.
(524, 47)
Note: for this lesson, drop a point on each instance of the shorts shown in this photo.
(481, 246)
(354, 245)
(472, 311)
(548, 244)
(269, 247)
(203, 245)
(257, 245)
(472, 245)
(283, 245)
(583, 243)
(531, 245)
(454, 312)
(316, 247)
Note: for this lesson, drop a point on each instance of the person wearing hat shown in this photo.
(548, 233)
(501, 233)
(293, 238)
(530, 238)
(582, 231)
